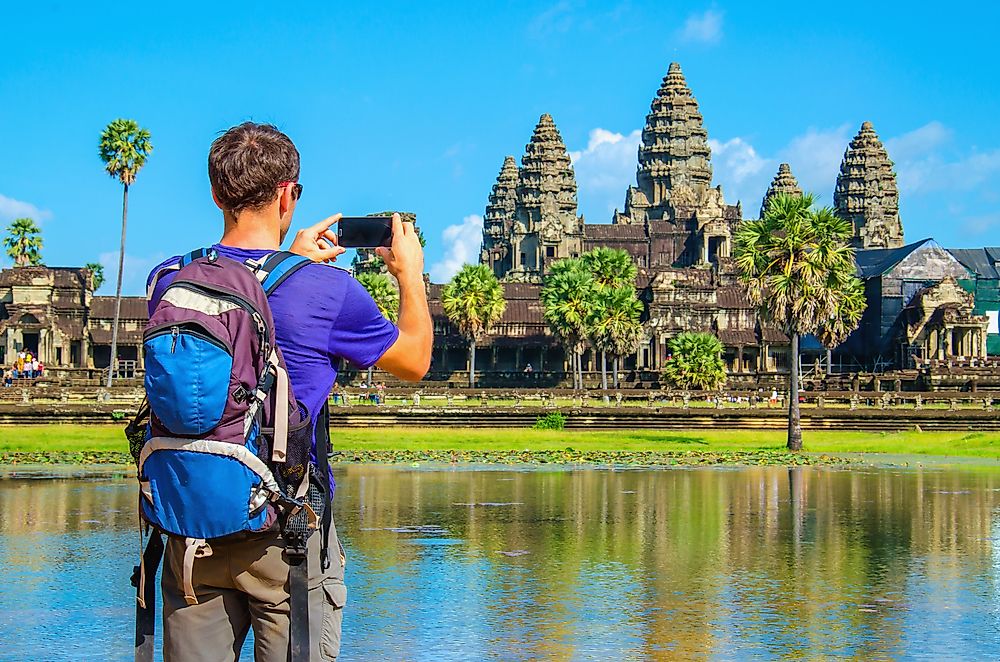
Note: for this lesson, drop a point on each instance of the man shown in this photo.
(321, 315)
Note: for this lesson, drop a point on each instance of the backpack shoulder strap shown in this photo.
(272, 270)
(176, 266)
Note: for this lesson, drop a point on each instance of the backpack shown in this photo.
(226, 449)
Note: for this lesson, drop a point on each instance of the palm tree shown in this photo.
(96, 273)
(568, 293)
(615, 327)
(612, 269)
(850, 308)
(797, 269)
(473, 301)
(695, 362)
(385, 295)
(124, 147)
(24, 242)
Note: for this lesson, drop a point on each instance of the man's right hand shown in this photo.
(405, 258)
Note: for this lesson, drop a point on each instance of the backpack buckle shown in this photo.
(241, 395)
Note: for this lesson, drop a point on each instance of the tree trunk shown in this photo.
(118, 290)
(604, 370)
(829, 361)
(579, 370)
(614, 368)
(794, 422)
(472, 363)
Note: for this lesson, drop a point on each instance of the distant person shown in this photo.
(380, 398)
(336, 395)
(8, 377)
(35, 365)
(528, 369)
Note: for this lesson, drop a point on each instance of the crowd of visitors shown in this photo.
(373, 393)
(26, 366)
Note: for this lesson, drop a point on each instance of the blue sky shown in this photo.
(414, 105)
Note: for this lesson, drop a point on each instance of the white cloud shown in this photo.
(11, 209)
(607, 165)
(923, 167)
(462, 242)
(738, 166)
(815, 158)
(917, 143)
(705, 28)
(134, 272)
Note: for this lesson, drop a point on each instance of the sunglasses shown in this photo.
(297, 188)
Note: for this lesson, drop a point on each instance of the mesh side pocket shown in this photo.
(136, 430)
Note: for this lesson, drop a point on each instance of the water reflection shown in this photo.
(455, 564)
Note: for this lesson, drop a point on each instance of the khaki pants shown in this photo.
(244, 584)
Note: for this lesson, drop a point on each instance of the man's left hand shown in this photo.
(318, 242)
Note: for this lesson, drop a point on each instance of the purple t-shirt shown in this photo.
(321, 315)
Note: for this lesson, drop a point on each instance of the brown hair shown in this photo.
(246, 164)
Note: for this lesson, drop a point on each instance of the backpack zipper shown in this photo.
(243, 303)
(175, 330)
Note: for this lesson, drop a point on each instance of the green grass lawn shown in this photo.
(65, 438)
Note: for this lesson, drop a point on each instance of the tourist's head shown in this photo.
(252, 167)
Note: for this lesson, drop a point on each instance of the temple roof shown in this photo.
(133, 308)
(981, 261)
(878, 261)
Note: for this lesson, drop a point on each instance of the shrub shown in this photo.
(553, 421)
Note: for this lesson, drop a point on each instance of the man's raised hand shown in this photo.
(318, 242)
(405, 258)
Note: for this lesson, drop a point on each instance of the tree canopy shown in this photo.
(124, 147)
(695, 362)
(24, 242)
(383, 292)
(96, 273)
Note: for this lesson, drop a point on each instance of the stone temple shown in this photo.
(678, 227)
(927, 305)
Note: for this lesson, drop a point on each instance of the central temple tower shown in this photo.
(674, 154)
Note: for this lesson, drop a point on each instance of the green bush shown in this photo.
(553, 421)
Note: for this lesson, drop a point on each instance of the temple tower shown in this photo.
(783, 182)
(498, 220)
(866, 192)
(674, 152)
(546, 226)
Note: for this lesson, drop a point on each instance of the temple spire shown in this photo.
(784, 182)
(546, 180)
(499, 219)
(867, 194)
(674, 150)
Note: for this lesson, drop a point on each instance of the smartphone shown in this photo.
(364, 231)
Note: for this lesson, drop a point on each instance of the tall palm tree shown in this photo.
(615, 327)
(385, 295)
(124, 147)
(696, 361)
(797, 268)
(613, 270)
(24, 242)
(568, 294)
(473, 301)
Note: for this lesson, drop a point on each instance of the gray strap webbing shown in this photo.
(145, 598)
